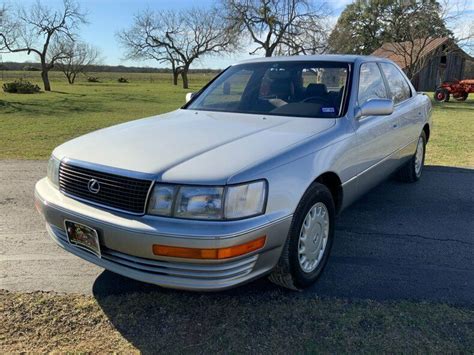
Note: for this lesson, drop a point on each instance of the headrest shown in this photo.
(281, 88)
(316, 90)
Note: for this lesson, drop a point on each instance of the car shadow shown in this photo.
(399, 242)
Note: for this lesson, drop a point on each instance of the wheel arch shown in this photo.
(426, 129)
(332, 181)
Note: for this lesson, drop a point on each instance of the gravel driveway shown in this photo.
(401, 241)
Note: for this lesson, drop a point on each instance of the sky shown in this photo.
(107, 17)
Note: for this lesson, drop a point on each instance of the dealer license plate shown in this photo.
(83, 236)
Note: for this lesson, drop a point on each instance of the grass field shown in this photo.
(32, 125)
(277, 322)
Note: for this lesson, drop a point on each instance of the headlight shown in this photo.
(161, 201)
(208, 202)
(53, 171)
(199, 202)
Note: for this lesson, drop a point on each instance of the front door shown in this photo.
(376, 135)
(376, 138)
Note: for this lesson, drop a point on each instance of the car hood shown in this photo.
(187, 146)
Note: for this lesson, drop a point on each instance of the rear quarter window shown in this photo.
(399, 88)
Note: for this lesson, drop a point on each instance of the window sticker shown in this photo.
(328, 110)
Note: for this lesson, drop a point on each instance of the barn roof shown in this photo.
(399, 52)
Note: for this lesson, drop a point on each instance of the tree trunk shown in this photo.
(184, 76)
(175, 73)
(175, 76)
(44, 76)
(269, 51)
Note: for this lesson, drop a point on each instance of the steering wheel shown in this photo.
(320, 100)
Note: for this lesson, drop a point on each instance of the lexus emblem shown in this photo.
(93, 186)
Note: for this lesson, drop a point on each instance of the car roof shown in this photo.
(343, 58)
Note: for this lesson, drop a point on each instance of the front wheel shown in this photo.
(412, 171)
(441, 95)
(309, 241)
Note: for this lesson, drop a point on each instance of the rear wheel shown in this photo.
(441, 95)
(309, 242)
(412, 171)
(463, 97)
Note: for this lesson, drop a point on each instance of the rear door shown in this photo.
(404, 106)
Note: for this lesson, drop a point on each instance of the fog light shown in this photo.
(219, 253)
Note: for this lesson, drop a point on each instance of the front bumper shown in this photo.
(126, 243)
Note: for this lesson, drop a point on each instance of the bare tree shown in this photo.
(281, 26)
(411, 32)
(307, 37)
(37, 28)
(6, 24)
(179, 37)
(77, 57)
(418, 27)
(139, 42)
(405, 30)
(3, 14)
(456, 15)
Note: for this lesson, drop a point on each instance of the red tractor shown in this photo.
(459, 89)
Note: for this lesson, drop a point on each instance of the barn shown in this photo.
(437, 60)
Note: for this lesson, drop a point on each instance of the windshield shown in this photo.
(305, 89)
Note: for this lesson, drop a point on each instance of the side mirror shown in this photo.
(189, 96)
(375, 107)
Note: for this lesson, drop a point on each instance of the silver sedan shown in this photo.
(245, 180)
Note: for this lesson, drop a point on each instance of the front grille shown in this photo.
(117, 192)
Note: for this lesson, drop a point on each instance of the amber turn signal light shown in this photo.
(219, 253)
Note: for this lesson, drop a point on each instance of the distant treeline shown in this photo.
(101, 68)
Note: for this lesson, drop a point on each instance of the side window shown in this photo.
(396, 82)
(371, 84)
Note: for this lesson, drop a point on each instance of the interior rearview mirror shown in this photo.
(189, 96)
(375, 107)
(226, 88)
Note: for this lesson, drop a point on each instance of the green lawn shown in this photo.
(32, 125)
(452, 139)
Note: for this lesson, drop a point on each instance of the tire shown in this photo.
(290, 270)
(463, 97)
(411, 171)
(441, 95)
